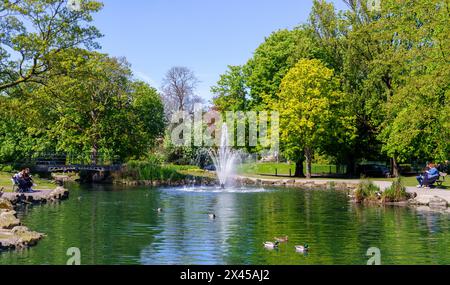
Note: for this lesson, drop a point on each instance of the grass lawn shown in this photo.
(42, 184)
(282, 169)
(193, 171)
(259, 170)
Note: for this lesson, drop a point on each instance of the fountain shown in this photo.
(224, 158)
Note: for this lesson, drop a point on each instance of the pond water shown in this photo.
(114, 225)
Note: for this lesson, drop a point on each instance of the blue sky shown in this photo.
(204, 35)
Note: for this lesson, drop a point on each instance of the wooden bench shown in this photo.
(441, 179)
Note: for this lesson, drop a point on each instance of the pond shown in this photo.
(114, 225)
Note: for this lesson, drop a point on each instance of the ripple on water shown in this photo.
(218, 190)
(123, 227)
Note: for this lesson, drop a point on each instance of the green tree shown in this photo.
(231, 90)
(92, 106)
(310, 106)
(272, 60)
(149, 109)
(416, 124)
(348, 45)
(32, 32)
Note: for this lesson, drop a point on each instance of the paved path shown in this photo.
(36, 194)
(426, 194)
(422, 193)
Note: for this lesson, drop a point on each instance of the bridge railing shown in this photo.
(76, 159)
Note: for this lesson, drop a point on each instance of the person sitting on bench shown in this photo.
(24, 181)
(28, 180)
(429, 177)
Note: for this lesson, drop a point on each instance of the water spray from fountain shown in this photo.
(224, 158)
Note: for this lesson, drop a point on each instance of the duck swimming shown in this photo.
(271, 245)
(282, 239)
(302, 248)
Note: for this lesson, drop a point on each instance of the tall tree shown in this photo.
(34, 31)
(178, 89)
(149, 109)
(353, 50)
(272, 60)
(92, 106)
(311, 111)
(231, 90)
(416, 128)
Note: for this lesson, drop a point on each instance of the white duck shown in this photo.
(271, 245)
(302, 248)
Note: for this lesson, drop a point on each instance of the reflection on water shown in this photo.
(114, 225)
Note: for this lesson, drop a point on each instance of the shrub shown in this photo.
(395, 193)
(366, 191)
(149, 170)
(7, 168)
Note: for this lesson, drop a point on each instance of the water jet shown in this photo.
(224, 158)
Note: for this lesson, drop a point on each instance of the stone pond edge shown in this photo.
(13, 234)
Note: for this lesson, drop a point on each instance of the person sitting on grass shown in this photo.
(429, 177)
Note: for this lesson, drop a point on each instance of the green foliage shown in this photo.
(19, 139)
(418, 126)
(151, 171)
(90, 104)
(149, 110)
(391, 65)
(311, 110)
(7, 168)
(272, 61)
(283, 169)
(231, 90)
(366, 191)
(395, 193)
(396, 64)
(32, 32)
(180, 155)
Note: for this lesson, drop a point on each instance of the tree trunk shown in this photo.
(351, 163)
(308, 157)
(94, 154)
(395, 169)
(299, 168)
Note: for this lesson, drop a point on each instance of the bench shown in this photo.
(15, 184)
(441, 179)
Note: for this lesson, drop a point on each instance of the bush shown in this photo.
(149, 170)
(366, 191)
(395, 193)
(7, 168)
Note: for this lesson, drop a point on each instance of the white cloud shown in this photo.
(146, 78)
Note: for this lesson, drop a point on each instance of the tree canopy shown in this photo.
(32, 32)
(391, 65)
